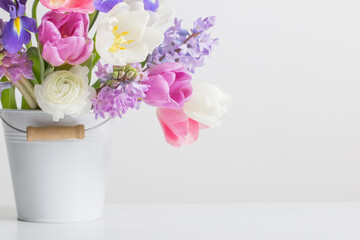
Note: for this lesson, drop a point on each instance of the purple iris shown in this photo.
(107, 5)
(151, 5)
(17, 30)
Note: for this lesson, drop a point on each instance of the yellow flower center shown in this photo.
(119, 40)
(17, 24)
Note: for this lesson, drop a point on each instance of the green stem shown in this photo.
(34, 9)
(26, 95)
(41, 60)
(29, 87)
(93, 19)
(24, 92)
(29, 45)
(42, 65)
(32, 104)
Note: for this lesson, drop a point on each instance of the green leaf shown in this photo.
(97, 84)
(92, 18)
(89, 65)
(24, 104)
(50, 68)
(96, 58)
(8, 100)
(143, 64)
(33, 55)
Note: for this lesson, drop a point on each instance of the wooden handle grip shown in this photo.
(55, 133)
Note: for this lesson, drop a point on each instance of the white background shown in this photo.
(292, 133)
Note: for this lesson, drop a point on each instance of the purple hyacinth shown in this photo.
(17, 66)
(116, 102)
(104, 72)
(123, 91)
(188, 48)
(203, 25)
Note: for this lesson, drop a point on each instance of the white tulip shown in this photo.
(208, 104)
(123, 35)
(162, 16)
(166, 14)
(66, 93)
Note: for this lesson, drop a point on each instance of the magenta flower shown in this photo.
(170, 86)
(65, 38)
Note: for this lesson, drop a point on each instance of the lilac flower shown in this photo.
(141, 74)
(123, 91)
(14, 66)
(104, 72)
(203, 25)
(116, 102)
(17, 30)
(188, 48)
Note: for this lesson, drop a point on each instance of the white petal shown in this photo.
(118, 9)
(208, 104)
(152, 38)
(166, 14)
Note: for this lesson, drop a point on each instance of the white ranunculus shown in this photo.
(123, 35)
(66, 93)
(208, 104)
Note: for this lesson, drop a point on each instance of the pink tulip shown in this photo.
(64, 38)
(178, 128)
(170, 86)
(83, 6)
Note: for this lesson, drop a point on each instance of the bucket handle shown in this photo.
(54, 132)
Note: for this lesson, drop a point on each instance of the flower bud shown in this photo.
(208, 104)
(130, 74)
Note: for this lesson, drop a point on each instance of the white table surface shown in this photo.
(274, 221)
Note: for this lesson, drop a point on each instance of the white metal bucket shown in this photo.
(58, 181)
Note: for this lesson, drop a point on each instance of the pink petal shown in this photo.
(48, 32)
(159, 93)
(167, 67)
(51, 55)
(82, 6)
(84, 55)
(177, 127)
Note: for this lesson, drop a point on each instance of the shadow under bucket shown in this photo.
(58, 181)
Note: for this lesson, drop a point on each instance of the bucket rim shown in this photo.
(36, 111)
(87, 119)
(21, 110)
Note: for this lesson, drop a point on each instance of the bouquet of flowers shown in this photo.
(132, 59)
